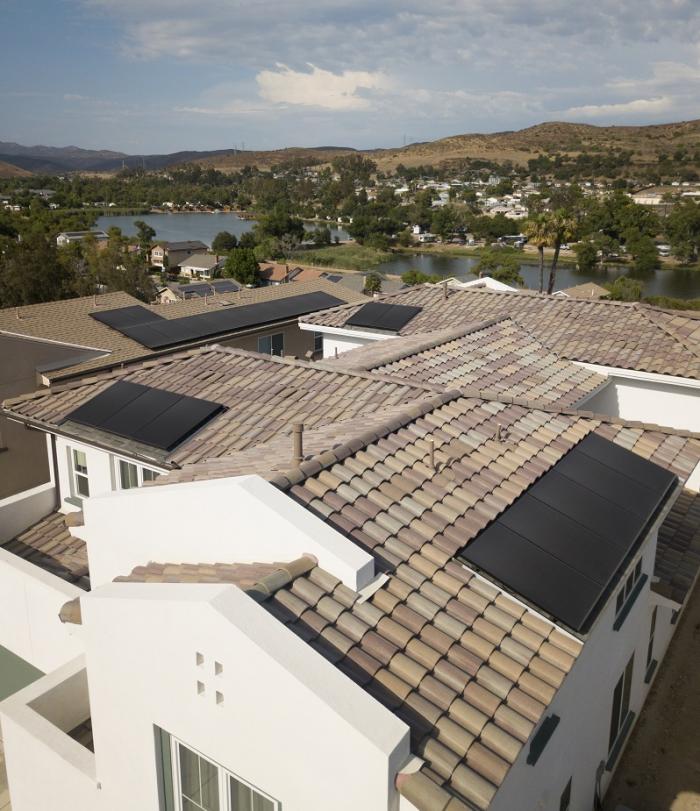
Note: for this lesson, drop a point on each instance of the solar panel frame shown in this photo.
(159, 333)
(383, 316)
(157, 417)
(126, 316)
(564, 543)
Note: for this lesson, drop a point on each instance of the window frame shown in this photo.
(77, 474)
(140, 470)
(621, 703)
(223, 780)
(628, 591)
(271, 338)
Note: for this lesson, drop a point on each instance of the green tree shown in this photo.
(683, 228)
(445, 221)
(413, 277)
(242, 266)
(224, 242)
(145, 235)
(624, 289)
(642, 248)
(373, 283)
(586, 255)
(500, 264)
(560, 228)
(537, 232)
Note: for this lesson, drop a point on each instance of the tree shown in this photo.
(499, 264)
(224, 242)
(444, 222)
(560, 228)
(413, 277)
(321, 236)
(642, 248)
(586, 256)
(536, 231)
(145, 235)
(624, 289)
(373, 283)
(683, 228)
(242, 266)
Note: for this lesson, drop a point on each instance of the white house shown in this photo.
(315, 619)
(200, 265)
(650, 355)
(69, 237)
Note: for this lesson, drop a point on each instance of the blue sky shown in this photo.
(163, 75)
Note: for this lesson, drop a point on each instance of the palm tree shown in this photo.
(561, 228)
(536, 231)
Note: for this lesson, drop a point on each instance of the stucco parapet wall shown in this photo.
(242, 519)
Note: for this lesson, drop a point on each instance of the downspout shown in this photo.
(56, 481)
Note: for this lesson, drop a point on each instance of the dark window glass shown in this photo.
(565, 801)
(652, 629)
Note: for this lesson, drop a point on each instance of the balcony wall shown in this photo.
(46, 768)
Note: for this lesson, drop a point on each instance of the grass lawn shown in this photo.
(354, 257)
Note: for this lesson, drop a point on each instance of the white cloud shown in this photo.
(644, 107)
(319, 88)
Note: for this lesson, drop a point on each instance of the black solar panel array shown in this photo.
(563, 544)
(155, 332)
(162, 419)
(378, 315)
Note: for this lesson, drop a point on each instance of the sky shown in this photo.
(153, 76)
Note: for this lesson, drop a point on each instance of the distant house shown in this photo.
(588, 290)
(199, 265)
(177, 292)
(170, 254)
(70, 237)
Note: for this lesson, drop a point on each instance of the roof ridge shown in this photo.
(438, 337)
(652, 316)
(330, 457)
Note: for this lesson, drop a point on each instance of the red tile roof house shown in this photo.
(426, 598)
(650, 355)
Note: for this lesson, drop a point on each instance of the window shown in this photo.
(627, 590)
(131, 475)
(201, 785)
(80, 474)
(128, 475)
(621, 702)
(652, 630)
(199, 782)
(318, 343)
(271, 344)
(565, 801)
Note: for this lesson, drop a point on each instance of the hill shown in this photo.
(9, 170)
(647, 143)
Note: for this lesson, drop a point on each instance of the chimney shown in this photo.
(297, 443)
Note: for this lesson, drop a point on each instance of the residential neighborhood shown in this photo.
(349, 406)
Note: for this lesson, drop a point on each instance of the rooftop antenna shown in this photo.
(297, 443)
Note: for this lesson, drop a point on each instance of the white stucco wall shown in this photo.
(659, 399)
(233, 520)
(46, 768)
(290, 723)
(337, 340)
(20, 511)
(102, 470)
(30, 599)
(584, 705)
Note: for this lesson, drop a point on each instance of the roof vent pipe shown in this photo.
(498, 432)
(297, 443)
(444, 290)
(431, 453)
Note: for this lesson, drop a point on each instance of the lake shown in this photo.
(676, 282)
(195, 225)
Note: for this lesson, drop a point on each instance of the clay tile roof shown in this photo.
(627, 336)
(496, 356)
(49, 545)
(69, 321)
(261, 580)
(263, 396)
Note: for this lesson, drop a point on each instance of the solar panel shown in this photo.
(377, 315)
(157, 332)
(156, 417)
(126, 316)
(564, 543)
